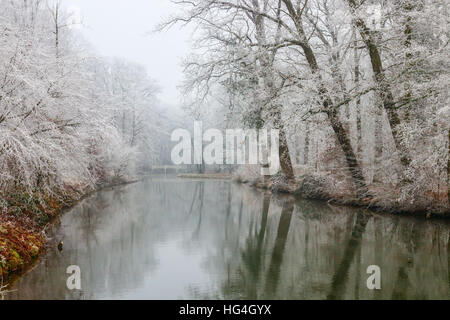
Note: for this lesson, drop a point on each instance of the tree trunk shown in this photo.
(407, 7)
(448, 168)
(384, 88)
(378, 143)
(285, 157)
(358, 100)
(358, 128)
(268, 79)
(336, 124)
(307, 142)
(352, 163)
(297, 150)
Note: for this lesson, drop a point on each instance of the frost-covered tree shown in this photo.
(359, 84)
(68, 119)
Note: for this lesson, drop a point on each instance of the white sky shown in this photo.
(123, 28)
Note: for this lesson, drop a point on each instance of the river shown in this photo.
(169, 238)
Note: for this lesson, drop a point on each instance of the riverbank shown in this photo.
(23, 226)
(316, 187)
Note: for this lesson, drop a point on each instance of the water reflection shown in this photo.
(172, 238)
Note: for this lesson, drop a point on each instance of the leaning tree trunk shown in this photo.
(384, 88)
(341, 134)
(269, 84)
(350, 157)
(285, 157)
(378, 139)
(358, 100)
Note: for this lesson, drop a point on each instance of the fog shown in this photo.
(125, 29)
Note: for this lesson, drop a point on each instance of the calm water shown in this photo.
(183, 239)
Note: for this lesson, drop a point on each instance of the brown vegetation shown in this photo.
(22, 238)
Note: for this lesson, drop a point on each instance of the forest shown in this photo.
(70, 120)
(68, 117)
(357, 88)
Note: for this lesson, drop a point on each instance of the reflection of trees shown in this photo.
(250, 245)
(104, 240)
(201, 198)
(252, 254)
(401, 284)
(228, 211)
(311, 209)
(323, 242)
(248, 276)
(411, 235)
(273, 274)
(194, 198)
(341, 275)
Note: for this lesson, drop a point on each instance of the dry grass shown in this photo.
(19, 246)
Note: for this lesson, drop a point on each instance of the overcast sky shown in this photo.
(122, 28)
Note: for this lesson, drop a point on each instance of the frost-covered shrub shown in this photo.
(313, 187)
